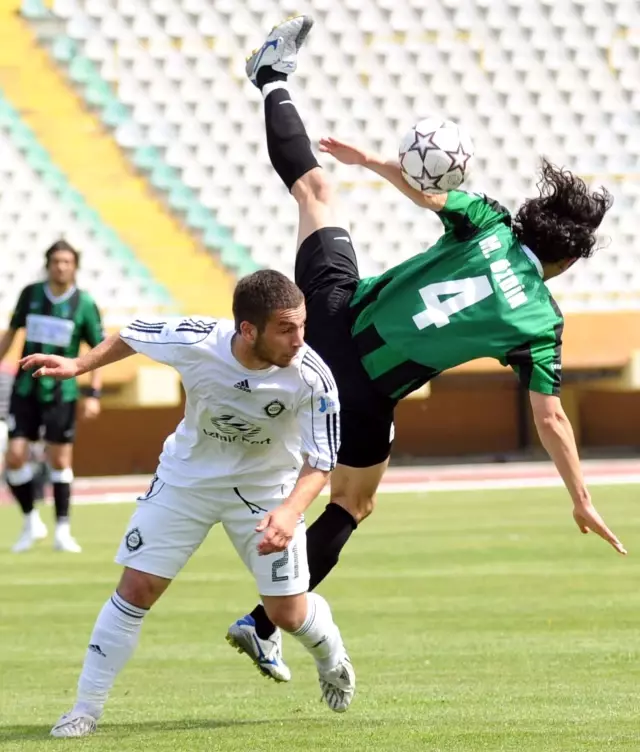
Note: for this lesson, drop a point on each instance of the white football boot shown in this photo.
(280, 50)
(74, 723)
(25, 541)
(33, 530)
(64, 541)
(38, 528)
(266, 654)
(338, 685)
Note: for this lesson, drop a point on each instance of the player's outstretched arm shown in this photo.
(279, 526)
(110, 350)
(557, 437)
(389, 170)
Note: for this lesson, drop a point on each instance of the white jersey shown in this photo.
(240, 426)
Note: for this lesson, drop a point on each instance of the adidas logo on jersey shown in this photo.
(243, 386)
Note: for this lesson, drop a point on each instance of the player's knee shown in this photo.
(140, 589)
(15, 458)
(313, 187)
(359, 506)
(287, 613)
(56, 463)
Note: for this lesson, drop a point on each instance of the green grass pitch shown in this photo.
(475, 621)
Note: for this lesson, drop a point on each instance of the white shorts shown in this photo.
(170, 523)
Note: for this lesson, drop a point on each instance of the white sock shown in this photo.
(113, 640)
(34, 517)
(268, 88)
(320, 635)
(63, 527)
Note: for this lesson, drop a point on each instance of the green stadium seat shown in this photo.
(181, 197)
(115, 113)
(146, 157)
(98, 93)
(81, 70)
(63, 49)
(199, 217)
(163, 176)
(34, 9)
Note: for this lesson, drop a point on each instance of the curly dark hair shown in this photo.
(561, 223)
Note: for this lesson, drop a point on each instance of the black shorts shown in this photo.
(327, 273)
(28, 417)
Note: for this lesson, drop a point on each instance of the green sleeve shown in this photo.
(466, 214)
(19, 318)
(92, 331)
(539, 365)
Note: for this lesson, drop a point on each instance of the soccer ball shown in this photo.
(435, 154)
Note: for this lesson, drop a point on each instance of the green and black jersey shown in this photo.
(55, 326)
(476, 293)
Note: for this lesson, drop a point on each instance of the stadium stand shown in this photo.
(41, 207)
(527, 78)
(95, 165)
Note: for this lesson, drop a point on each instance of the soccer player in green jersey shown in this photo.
(56, 317)
(478, 292)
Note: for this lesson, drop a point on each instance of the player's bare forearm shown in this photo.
(6, 341)
(558, 439)
(556, 434)
(391, 172)
(307, 489)
(110, 350)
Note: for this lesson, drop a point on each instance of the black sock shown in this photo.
(287, 140)
(62, 500)
(326, 537)
(24, 495)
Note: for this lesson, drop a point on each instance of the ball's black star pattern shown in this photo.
(459, 158)
(423, 142)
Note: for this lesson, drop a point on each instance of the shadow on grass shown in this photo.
(30, 732)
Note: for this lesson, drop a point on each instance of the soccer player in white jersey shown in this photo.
(257, 443)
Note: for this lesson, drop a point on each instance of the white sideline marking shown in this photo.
(420, 487)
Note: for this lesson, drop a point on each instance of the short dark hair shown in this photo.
(561, 223)
(258, 295)
(61, 245)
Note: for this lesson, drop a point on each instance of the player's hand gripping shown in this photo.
(345, 153)
(278, 527)
(50, 365)
(587, 518)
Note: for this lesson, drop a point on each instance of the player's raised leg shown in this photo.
(165, 530)
(328, 253)
(287, 140)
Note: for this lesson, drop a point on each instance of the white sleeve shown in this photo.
(319, 414)
(166, 340)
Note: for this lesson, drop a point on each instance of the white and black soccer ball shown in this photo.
(435, 155)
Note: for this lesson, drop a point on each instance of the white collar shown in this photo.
(533, 258)
(61, 298)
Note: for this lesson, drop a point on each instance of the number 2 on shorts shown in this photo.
(278, 564)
